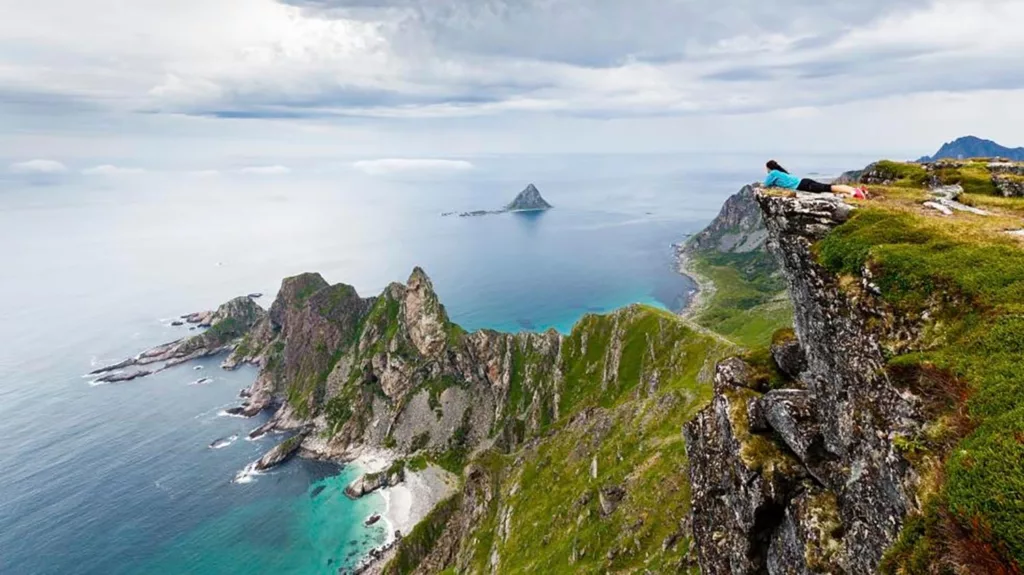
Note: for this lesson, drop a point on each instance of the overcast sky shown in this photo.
(113, 86)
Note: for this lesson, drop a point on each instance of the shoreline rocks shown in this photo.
(228, 324)
(280, 453)
(370, 482)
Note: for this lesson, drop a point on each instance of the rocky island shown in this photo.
(528, 200)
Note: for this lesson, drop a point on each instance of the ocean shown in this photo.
(122, 479)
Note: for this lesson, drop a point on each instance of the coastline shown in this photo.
(405, 504)
(705, 289)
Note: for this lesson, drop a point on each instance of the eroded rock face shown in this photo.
(424, 315)
(841, 502)
(738, 227)
(740, 482)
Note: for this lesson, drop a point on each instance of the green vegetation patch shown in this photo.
(225, 330)
(973, 288)
(902, 174)
(749, 301)
(975, 178)
(551, 519)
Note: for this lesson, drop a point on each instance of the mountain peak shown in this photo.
(529, 199)
(974, 147)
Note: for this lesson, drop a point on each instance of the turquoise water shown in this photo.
(120, 479)
(317, 532)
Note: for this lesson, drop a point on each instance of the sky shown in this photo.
(108, 88)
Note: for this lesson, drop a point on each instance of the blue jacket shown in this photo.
(777, 179)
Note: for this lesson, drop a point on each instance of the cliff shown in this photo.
(738, 228)
(890, 443)
(741, 291)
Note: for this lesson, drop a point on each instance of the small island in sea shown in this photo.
(528, 200)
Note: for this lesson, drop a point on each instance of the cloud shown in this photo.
(392, 166)
(265, 170)
(110, 170)
(393, 69)
(400, 59)
(38, 167)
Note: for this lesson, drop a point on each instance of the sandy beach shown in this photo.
(410, 501)
(705, 287)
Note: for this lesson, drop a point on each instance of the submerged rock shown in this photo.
(119, 377)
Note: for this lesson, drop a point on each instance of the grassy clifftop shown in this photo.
(963, 275)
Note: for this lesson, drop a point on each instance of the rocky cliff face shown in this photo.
(807, 479)
(394, 372)
(738, 228)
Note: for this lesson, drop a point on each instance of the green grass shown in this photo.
(553, 503)
(973, 287)
(975, 178)
(225, 330)
(749, 302)
(640, 374)
(903, 174)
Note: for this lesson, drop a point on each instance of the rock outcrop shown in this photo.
(738, 228)
(370, 482)
(280, 453)
(528, 200)
(806, 480)
(226, 326)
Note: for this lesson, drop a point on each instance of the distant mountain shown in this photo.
(528, 199)
(972, 147)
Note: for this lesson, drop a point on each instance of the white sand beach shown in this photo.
(410, 501)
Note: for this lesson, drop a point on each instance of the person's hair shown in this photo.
(773, 165)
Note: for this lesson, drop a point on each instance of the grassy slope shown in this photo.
(555, 522)
(969, 276)
(749, 302)
(634, 412)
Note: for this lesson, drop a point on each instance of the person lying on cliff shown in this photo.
(778, 177)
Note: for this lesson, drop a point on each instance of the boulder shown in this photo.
(788, 355)
(280, 453)
(609, 498)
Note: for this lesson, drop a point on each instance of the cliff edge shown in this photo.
(892, 443)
